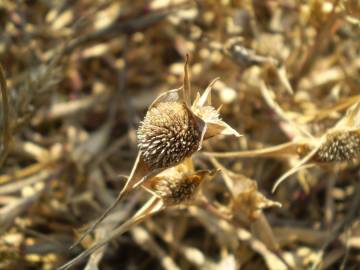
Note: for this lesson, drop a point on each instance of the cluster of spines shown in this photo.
(339, 146)
(168, 134)
(175, 190)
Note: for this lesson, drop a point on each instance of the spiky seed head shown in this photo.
(168, 134)
(176, 190)
(339, 146)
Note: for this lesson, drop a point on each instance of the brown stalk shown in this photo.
(154, 205)
(282, 150)
(135, 179)
(6, 117)
(187, 83)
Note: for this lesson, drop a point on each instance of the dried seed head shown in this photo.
(168, 134)
(177, 185)
(175, 190)
(335, 146)
(339, 146)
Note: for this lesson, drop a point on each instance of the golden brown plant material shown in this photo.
(171, 132)
(168, 134)
(177, 186)
(339, 146)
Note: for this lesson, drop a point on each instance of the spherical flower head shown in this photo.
(339, 146)
(168, 134)
(173, 128)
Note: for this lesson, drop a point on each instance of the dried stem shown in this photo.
(187, 83)
(281, 150)
(154, 205)
(136, 178)
(6, 117)
(343, 225)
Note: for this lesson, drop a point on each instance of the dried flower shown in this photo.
(172, 130)
(339, 144)
(249, 201)
(248, 204)
(175, 192)
(168, 134)
(176, 186)
(173, 187)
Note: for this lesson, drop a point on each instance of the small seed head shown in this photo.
(175, 190)
(339, 146)
(168, 134)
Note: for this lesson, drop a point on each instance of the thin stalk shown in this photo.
(6, 117)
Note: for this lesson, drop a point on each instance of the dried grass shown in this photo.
(77, 77)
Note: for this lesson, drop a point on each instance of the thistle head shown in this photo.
(177, 185)
(173, 129)
(339, 146)
(169, 133)
(341, 143)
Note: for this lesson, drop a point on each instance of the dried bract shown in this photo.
(249, 201)
(203, 108)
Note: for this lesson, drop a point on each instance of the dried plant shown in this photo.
(177, 185)
(171, 132)
(247, 204)
(338, 144)
(6, 128)
(77, 76)
(174, 187)
(168, 134)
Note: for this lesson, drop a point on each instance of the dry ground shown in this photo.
(80, 76)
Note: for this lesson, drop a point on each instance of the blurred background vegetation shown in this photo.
(80, 76)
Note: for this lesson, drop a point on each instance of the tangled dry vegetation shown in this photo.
(89, 123)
